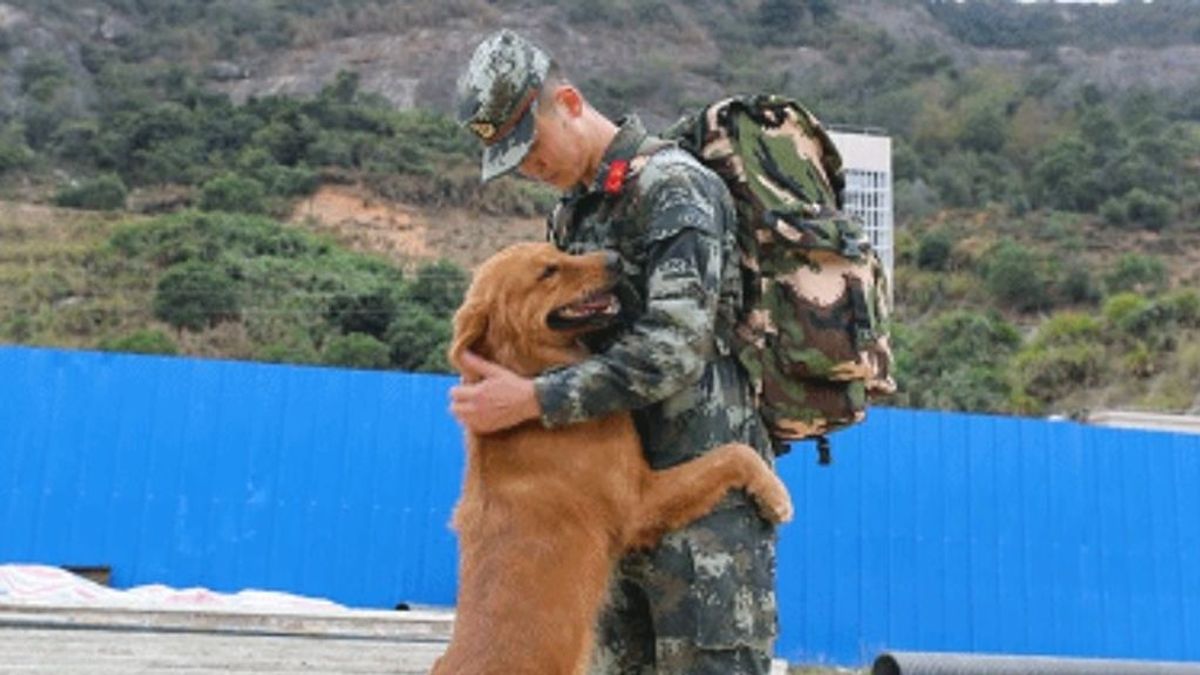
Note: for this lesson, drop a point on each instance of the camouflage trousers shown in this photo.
(702, 603)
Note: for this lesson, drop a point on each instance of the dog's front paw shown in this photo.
(772, 497)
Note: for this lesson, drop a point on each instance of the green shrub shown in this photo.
(105, 192)
(287, 137)
(233, 193)
(957, 361)
(968, 179)
(17, 326)
(288, 352)
(290, 288)
(1183, 307)
(914, 200)
(288, 181)
(419, 340)
(1049, 373)
(933, 252)
(1137, 272)
(276, 179)
(1121, 309)
(1014, 275)
(334, 148)
(1067, 328)
(42, 75)
(1138, 360)
(439, 287)
(195, 295)
(143, 341)
(1077, 286)
(14, 153)
(1148, 210)
(985, 128)
(193, 235)
(1139, 207)
(356, 350)
(1063, 176)
(1113, 212)
(370, 311)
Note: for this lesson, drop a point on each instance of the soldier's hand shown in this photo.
(491, 397)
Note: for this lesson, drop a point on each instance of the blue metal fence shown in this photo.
(931, 531)
(229, 475)
(952, 532)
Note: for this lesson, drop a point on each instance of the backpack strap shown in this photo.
(650, 146)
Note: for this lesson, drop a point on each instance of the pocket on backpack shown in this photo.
(811, 367)
(819, 339)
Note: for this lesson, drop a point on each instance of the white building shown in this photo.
(867, 157)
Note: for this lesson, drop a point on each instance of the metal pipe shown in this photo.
(937, 663)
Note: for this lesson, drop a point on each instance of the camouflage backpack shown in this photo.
(812, 334)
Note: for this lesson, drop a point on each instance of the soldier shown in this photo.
(703, 601)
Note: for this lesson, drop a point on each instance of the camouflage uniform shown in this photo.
(703, 601)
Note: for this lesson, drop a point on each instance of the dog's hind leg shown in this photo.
(675, 497)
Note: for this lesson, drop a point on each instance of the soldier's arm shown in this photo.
(666, 348)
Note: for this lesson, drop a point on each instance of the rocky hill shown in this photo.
(1047, 167)
(661, 54)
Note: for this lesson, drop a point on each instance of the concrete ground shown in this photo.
(75, 641)
(107, 641)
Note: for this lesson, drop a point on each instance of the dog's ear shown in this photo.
(470, 326)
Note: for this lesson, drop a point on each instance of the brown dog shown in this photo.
(546, 513)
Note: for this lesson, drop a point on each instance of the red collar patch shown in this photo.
(615, 180)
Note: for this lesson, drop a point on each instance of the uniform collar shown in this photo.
(622, 148)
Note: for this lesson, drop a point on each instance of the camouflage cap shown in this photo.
(497, 96)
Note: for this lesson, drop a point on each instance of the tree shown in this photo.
(956, 362)
(233, 193)
(195, 295)
(1015, 276)
(369, 312)
(105, 192)
(1148, 210)
(1062, 177)
(439, 287)
(1137, 272)
(419, 340)
(356, 350)
(1076, 285)
(985, 128)
(933, 252)
(781, 22)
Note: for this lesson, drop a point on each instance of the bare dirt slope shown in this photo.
(410, 235)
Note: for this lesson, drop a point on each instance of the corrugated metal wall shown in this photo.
(230, 475)
(952, 532)
(931, 531)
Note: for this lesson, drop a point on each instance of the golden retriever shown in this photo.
(546, 513)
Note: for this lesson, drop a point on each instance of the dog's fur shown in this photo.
(546, 513)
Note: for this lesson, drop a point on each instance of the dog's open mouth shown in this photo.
(595, 308)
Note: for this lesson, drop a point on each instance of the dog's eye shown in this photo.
(548, 271)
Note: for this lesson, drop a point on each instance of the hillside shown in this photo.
(1047, 167)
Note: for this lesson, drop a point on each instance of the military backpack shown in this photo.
(813, 331)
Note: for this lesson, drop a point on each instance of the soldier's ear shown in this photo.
(569, 100)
